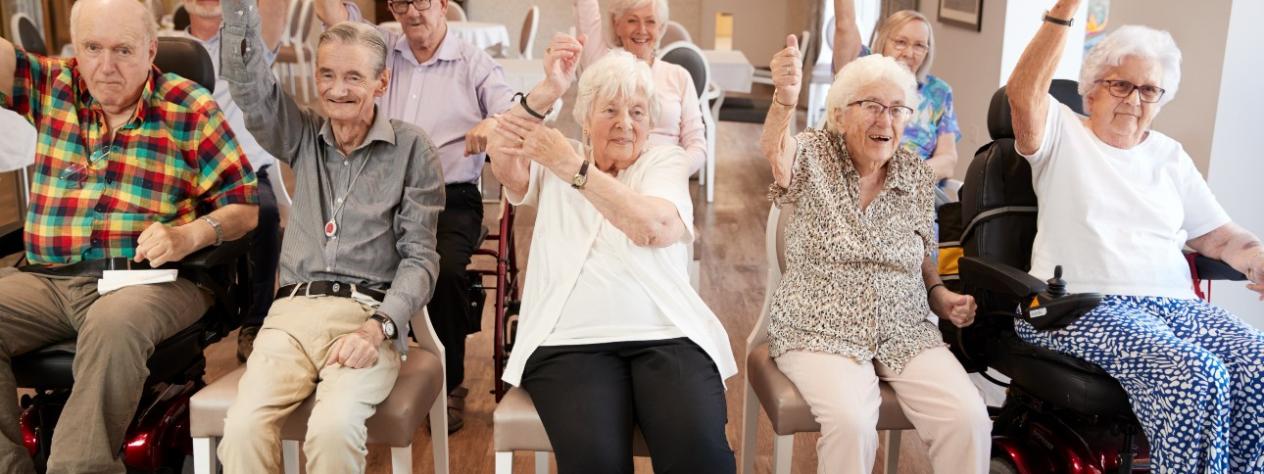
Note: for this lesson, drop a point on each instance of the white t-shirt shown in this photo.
(1117, 220)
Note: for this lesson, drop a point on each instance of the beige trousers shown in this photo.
(286, 367)
(115, 334)
(934, 391)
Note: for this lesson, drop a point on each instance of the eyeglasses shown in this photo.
(79, 172)
(898, 113)
(1122, 89)
(901, 44)
(400, 7)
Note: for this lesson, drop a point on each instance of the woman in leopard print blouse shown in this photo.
(851, 309)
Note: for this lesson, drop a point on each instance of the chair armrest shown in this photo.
(1000, 278)
(11, 242)
(214, 256)
(1036, 305)
(1212, 269)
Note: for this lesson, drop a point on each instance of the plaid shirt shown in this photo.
(175, 160)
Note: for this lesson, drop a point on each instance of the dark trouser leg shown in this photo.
(265, 251)
(457, 235)
(680, 408)
(584, 397)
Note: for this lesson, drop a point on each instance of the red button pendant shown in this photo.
(331, 228)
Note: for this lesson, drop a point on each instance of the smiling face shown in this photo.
(638, 30)
(872, 137)
(1123, 122)
(424, 27)
(347, 81)
(618, 128)
(914, 39)
(115, 52)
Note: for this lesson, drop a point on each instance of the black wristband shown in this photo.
(1058, 21)
(522, 100)
(931, 290)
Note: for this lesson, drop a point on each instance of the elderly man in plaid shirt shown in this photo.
(131, 165)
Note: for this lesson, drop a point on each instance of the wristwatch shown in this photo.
(580, 178)
(1058, 21)
(219, 230)
(388, 326)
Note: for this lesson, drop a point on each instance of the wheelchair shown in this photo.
(158, 438)
(1061, 414)
(507, 290)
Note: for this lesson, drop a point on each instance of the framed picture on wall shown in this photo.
(963, 13)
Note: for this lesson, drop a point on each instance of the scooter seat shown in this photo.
(1054, 377)
(50, 368)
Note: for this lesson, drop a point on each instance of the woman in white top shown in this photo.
(612, 335)
(637, 26)
(1118, 201)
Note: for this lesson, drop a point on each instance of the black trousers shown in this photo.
(590, 397)
(265, 251)
(457, 235)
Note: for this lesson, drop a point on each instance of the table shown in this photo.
(480, 34)
(522, 74)
(730, 70)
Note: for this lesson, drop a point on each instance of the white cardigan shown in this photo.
(565, 228)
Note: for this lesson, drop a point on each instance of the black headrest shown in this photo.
(686, 55)
(187, 58)
(30, 37)
(999, 118)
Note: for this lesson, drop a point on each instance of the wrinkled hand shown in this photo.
(161, 244)
(955, 307)
(525, 138)
(359, 349)
(561, 60)
(476, 138)
(1255, 274)
(787, 72)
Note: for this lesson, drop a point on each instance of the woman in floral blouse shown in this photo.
(859, 282)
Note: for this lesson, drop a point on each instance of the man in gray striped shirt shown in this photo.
(359, 255)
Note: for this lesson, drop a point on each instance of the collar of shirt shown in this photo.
(379, 130)
(900, 167)
(449, 50)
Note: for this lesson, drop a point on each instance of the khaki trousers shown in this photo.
(115, 335)
(286, 367)
(934, 391)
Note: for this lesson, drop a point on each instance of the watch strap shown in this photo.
(522, 100)
(1058, 21)
(581, 178)
(385, 321)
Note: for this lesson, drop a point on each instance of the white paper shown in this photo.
(114, 279)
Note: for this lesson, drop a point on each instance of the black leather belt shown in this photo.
(93, 268)
(328, 288)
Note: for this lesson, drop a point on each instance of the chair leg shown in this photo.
(750, 430)
(541, 462)
(891, 452)
(504, 462)
(289, 456)
(782, 453)
(402, 460)
(204, 461)
(710, 163)
(439, 433)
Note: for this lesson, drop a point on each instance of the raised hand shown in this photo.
(561, 60)
(787, 73)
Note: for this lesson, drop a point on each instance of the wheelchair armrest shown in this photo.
(11, 242)
(214, 256)
(1212, 269)
(1000, 278)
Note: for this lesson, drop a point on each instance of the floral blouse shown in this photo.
(935, 116)
(853, 283)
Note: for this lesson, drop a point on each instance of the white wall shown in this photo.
(1022, 20)
(1236, 164)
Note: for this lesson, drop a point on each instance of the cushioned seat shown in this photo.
(518, 427)
(1057, 378)
(50, 368)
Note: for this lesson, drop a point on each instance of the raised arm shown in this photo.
(1237, 247)
(330, 12)
(777, 141)
(272, 117)
(846, 35)
(8, 66)
(588, 23)
(1028, 86)
(273, 27)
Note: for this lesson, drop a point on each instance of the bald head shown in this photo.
(123, 16)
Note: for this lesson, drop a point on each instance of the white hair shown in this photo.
(1136, 41)
(858, 74)
(617, 74)
(151, 23)
(619, 7)
(354, 32)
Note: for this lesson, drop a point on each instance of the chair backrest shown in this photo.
(805, 45)
(25, 34)
(827, 33)
(306, 21)
(180, 18)
(526, 38)
(779, 219)
(456, 13)
(688, 56)
(675, 32)
(187, 58)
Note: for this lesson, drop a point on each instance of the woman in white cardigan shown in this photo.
(612, 335)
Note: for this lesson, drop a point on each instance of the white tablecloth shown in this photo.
(730, 70)
(481, 34)
(522, 74)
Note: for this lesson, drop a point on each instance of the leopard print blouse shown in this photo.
(853, 282)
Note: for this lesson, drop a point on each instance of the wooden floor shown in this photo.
(733, 272)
